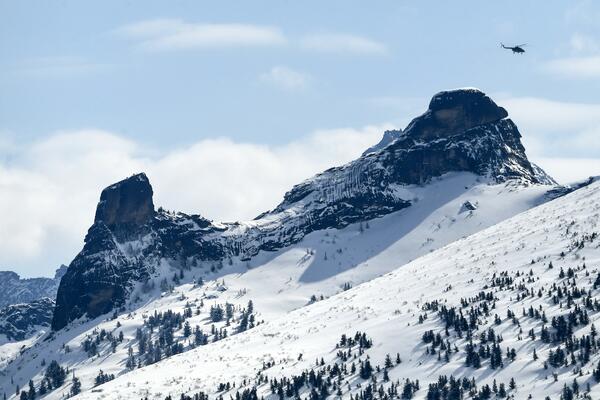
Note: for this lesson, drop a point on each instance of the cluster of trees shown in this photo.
(571, 392)
(360, 338)
(91, 343)
(157, 339)
(54, 377)
(103, 378)
(196, 396)
(578, 244)
(465, 320)
(451, 388)
(226, 313)
(326, 379)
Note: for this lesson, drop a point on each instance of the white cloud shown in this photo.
(561, 137)
(342, 43)
(286, 78)
(569, 170)
(49, 189)
(584, 67)
(556, 129)
(175, 34)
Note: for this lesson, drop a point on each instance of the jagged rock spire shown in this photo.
(126, 202)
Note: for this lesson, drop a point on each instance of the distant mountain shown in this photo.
(388, 137)
(14, 290)
(462, 131)
(19, 321)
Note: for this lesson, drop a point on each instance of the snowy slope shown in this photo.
(387, 309)
(279, 282)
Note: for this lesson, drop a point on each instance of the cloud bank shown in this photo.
(163, 34)
(49, 189)
(583, 62)
(585, 67)
(556, 129)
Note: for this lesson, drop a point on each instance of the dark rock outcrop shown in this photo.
(126, 204)
(454, 111)
(19, 321)
(467, 206)
(462, 131)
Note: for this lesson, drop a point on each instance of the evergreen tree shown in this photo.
(386, 377)
(55, 374)
(31, 394)
(501, 391)
(365, 370)
(388, 361)
(76, 386)
(407, 390)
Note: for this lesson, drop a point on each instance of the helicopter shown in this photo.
(518, 49)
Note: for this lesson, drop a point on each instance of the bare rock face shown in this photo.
(454, 111)
(97, 279)
(128, 202)
(19, 321)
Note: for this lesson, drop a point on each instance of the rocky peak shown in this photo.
(126, 203)
(455, 111)
(60, 272)
(9, 276)
(14, 289)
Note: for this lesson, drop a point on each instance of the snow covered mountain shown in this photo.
(509, 311)
(20, 321)
(14, 290)
(151, 286)
(462, 131)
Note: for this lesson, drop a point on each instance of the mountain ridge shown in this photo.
(17, 290)
(252, 292)
(462, 130)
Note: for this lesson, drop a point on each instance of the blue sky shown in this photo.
(227, 104)
(66, 66)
